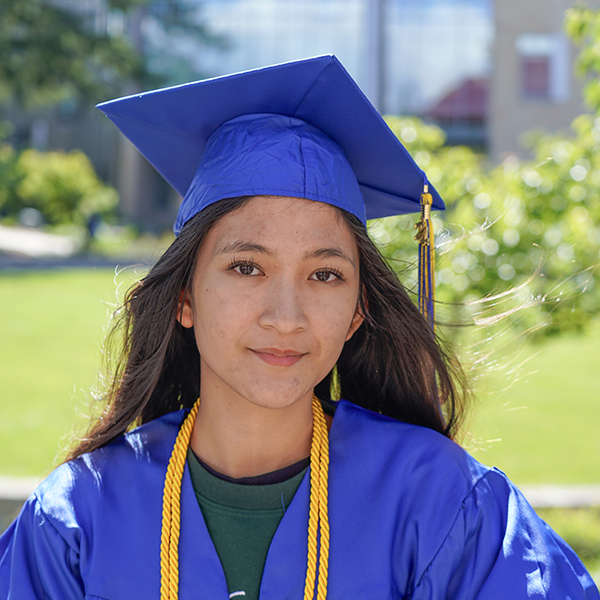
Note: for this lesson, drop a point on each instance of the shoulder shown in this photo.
(94, 515)
(401, 449)
(412, 470)
(447, 521)
(408, 475)
(75, 493)
(432, 475)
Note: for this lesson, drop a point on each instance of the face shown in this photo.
(274, 298)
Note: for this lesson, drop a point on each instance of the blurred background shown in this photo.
(499, 103)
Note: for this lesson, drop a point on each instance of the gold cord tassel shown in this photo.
(425, 237)
(318, 523)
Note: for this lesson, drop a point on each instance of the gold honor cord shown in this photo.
(171, 517)
(318, 520)
(318, 516)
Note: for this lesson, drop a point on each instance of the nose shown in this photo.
(283, 308)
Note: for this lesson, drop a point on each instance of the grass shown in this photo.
(51, 328)
(544, 427)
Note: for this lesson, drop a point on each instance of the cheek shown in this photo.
(221, 315)
(333, 320)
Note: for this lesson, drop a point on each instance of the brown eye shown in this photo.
(246, 269)
(323, 275)
(326, 276)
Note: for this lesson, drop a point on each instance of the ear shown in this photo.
(185, 313)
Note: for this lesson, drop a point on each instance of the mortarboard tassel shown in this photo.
(426, 241)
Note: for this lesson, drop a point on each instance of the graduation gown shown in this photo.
(412, 516)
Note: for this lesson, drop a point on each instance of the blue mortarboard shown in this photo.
(300, 129)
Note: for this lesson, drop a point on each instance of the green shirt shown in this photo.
(242, 520)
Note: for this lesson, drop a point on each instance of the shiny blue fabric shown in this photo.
(171, 128)
(271, 155)
(412, 516)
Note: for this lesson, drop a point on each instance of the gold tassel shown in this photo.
(426, 240)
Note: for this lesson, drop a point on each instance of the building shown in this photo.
(463, 114)
(533, 84)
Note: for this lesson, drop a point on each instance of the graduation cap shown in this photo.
(300, 129)
(176, 128)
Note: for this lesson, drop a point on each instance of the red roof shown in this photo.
(466, 102)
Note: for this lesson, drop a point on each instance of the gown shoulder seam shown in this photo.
(459, 510)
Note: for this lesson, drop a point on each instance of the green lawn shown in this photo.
(52, 324)
(51, 327)
(545, 427)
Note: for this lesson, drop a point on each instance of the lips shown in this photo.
(278, 358)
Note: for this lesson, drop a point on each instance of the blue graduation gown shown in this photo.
(412, 516)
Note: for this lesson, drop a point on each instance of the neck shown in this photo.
(240, 439)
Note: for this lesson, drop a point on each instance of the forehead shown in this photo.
(283, 220)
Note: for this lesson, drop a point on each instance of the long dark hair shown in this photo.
(393, 364)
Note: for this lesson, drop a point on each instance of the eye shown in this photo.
(246, 268)
(327, 275)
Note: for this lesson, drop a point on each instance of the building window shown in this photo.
(536, 76)
(545, 66)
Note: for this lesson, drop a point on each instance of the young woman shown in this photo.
(221, 467)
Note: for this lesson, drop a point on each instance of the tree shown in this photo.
(521, 235)
(55, 49)
(178, 33)
(62, 187)
(583, 26)
(48, 52)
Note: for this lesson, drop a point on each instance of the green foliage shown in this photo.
(9, 177)
(523, 235)
(582, 24)
(52, 51)
(63, 187)
(48, 53)
(169, 20)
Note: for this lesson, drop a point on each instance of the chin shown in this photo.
(277, 399)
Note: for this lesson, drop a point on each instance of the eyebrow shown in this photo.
(331, 252)
(242, 246)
